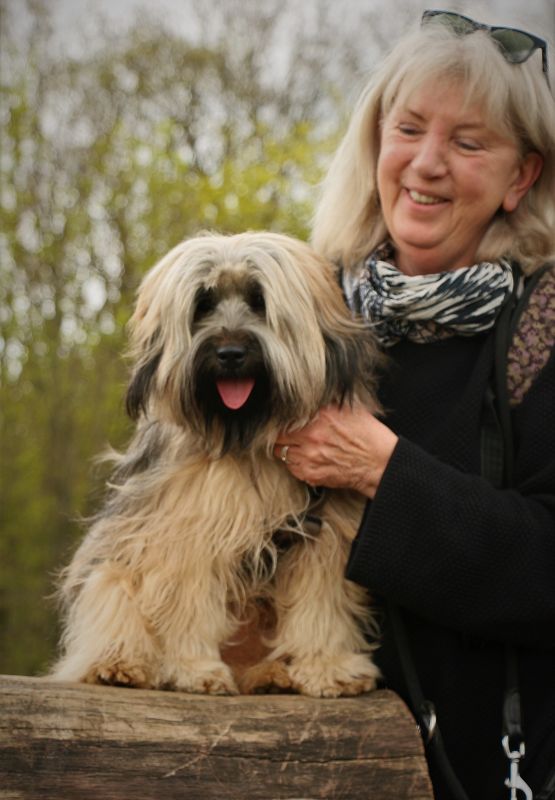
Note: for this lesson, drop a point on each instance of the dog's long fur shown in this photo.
(187, 535)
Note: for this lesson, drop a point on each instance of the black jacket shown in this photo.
(470, 566)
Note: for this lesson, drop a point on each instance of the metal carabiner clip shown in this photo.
(515, 782)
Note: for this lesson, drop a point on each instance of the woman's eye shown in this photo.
(468, 144)
(408, 130)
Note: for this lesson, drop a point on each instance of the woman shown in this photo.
(443, 184)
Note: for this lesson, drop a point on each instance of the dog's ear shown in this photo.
(140, 385)
(351, 363)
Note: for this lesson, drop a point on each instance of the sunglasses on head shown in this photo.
(516, 46)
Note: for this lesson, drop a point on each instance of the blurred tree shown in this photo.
(106, 162)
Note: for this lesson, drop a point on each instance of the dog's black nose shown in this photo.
(231, 355)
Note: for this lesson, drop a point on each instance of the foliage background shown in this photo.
(115, 145)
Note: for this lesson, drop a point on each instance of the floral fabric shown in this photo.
(533, 339)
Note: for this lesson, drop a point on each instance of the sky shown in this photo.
(535, 15)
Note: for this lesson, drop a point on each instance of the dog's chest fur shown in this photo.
(221, 509)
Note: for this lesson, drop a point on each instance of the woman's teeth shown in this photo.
(424, 199)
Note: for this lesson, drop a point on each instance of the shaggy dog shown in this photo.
(235, 339)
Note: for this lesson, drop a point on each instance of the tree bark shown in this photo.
(61, 741)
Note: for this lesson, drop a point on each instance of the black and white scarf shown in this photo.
(426, 308)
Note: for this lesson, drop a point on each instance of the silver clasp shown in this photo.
(515, 782)
(428, 719)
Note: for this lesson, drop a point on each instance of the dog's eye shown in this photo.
(256, 301)
(205, 303)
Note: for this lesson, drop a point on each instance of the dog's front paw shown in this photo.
(343, 675)
(266, 677)
(120, 673)
(203, 678)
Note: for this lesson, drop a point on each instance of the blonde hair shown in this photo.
(348, 223)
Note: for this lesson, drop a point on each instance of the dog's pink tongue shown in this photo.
(235, 393)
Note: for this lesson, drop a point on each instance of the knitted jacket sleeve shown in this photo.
(457, 552)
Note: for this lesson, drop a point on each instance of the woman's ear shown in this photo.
(528, 173)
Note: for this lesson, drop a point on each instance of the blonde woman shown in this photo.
(438, 206)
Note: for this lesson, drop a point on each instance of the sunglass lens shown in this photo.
(456, 22)
(517, 46)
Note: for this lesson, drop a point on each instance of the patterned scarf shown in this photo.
(426, 308)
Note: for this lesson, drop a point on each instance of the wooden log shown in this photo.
(61, 741)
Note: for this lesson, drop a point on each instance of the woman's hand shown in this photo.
(343, 447)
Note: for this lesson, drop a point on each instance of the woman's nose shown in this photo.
(430, 160)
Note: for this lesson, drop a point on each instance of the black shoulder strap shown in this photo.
(497, 434)
(497, 466)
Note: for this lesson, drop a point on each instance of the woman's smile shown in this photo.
(424, 199)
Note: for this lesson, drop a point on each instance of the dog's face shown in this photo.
(238, 337)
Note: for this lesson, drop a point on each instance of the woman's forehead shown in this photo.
(438, 94)
(441, 97)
